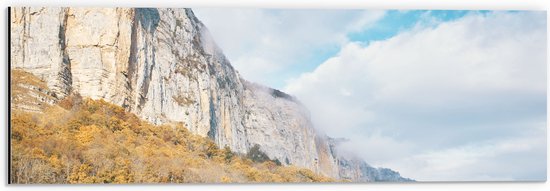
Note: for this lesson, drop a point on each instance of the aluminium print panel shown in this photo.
(212, 95)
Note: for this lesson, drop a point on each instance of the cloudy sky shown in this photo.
(435, 95)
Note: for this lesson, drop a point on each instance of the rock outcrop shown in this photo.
(162, 65)
(358, 170)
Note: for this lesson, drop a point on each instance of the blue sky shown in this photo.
(391, 23)
(436, 95)
(397, 21)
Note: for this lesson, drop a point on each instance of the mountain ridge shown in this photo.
(162, 65)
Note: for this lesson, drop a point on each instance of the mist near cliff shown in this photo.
(445, 99)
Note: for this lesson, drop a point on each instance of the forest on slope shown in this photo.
(80, 140)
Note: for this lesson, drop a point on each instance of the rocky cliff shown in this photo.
(162, 65)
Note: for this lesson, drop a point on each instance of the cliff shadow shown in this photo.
(148, 18)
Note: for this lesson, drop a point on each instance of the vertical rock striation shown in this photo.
(162, 65)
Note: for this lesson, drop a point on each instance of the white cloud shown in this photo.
(376, 148)
(265, 45)
(442, 94)
(509, 159)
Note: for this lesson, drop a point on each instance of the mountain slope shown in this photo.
(162, 65)
(98, 142)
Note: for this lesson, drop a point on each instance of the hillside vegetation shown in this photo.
(92, 141)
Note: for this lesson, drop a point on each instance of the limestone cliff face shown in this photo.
(159, 64)
(280, 125)
(162, 65)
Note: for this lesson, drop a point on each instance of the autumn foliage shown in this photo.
(92, 141)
